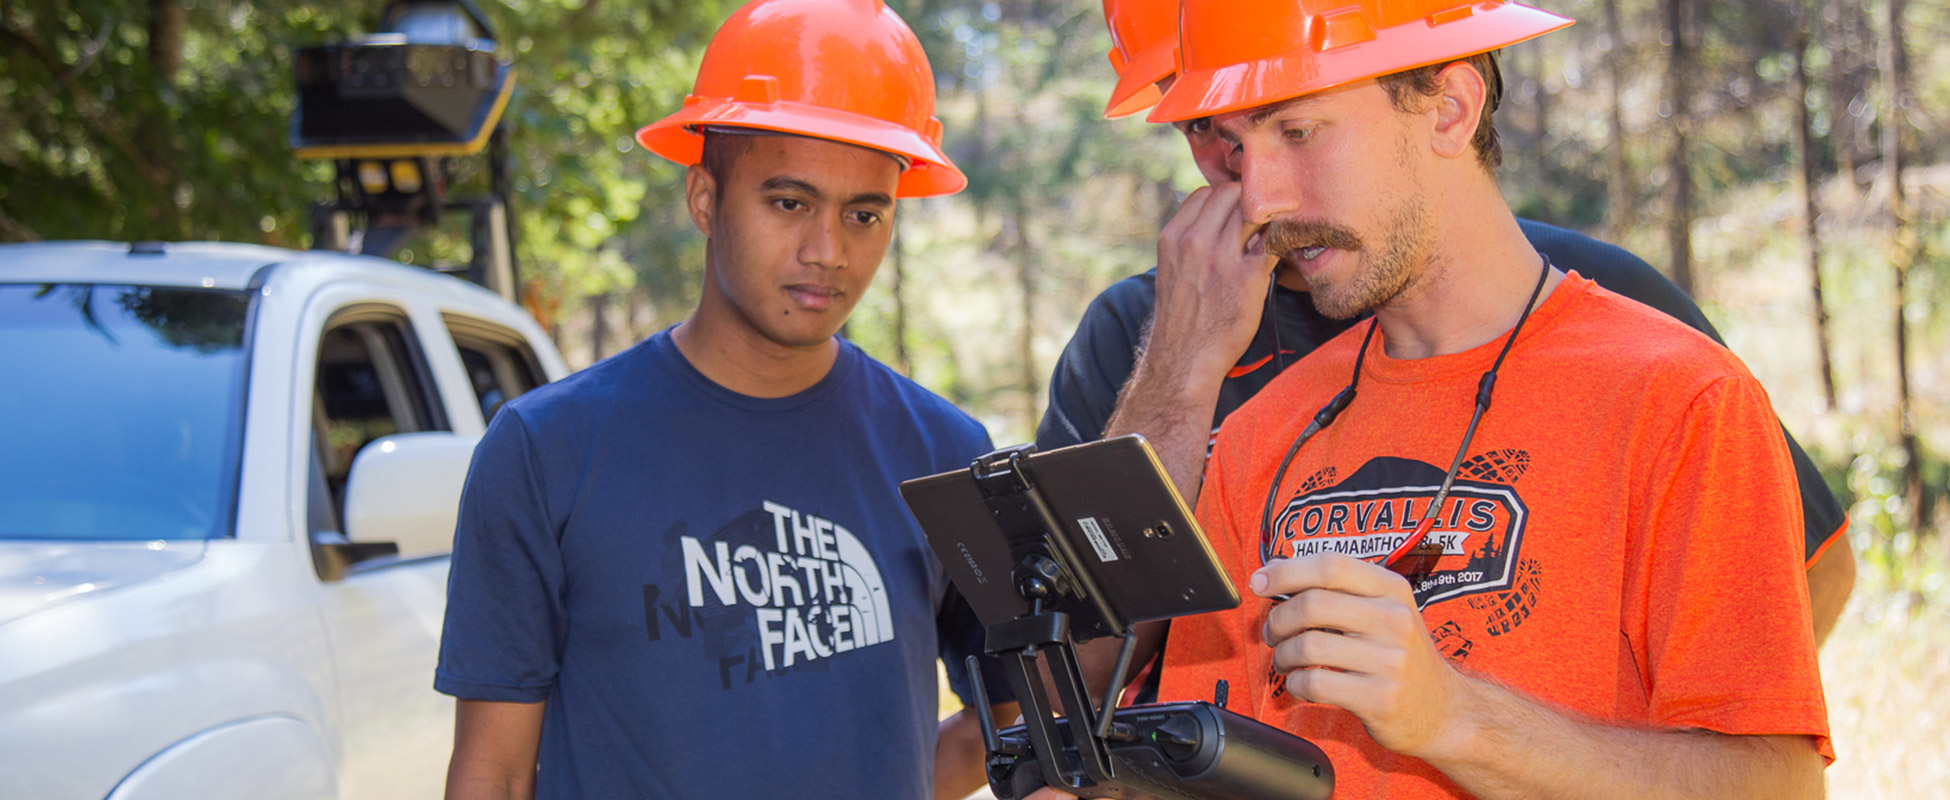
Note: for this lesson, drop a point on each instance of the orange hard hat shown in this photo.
(1143, 48)
(1236, 54)
(846, 70)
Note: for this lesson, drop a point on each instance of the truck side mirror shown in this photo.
(404, 490)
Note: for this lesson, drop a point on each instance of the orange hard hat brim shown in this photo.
(929, 173)
(1209, 92)
(1137, 83)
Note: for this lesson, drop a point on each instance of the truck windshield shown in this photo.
(121, 416)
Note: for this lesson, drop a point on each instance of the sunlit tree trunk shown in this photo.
(1619, 190)
(1167, 195)
(1893, 62)
(598, 326)
(166, 38)
(901, 359)
(1547, 189)
(1026, 289)
(1810, 207)
(165, 31)
(1848, 39)
(1679, 94)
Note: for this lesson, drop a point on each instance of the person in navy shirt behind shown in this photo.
(686, 571)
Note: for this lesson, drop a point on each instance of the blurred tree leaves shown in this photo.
(99, 139)
(103, 134)
(597, 215)
(106, 134)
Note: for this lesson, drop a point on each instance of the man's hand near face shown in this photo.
(1213, 276)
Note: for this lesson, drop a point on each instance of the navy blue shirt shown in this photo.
(716, 595)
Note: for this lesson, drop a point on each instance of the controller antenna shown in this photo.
(1116, 686)
(990, 739)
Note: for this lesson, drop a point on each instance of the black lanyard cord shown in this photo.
(1322, 419)
(1272, 317)
(1485, 387)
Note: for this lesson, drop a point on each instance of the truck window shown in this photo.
(500, 365)
(372, 381)
(121, 411)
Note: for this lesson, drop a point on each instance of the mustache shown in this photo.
(1286, 237)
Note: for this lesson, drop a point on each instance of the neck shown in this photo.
(738, 358)
(1472, 288)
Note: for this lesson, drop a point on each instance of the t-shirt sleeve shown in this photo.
(506, 617)
(1822, 517)
(1718, 595)
(960, 632)
(1094, 366)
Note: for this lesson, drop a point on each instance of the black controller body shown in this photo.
(1178, 751)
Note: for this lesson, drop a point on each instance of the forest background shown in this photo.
(1785, 161)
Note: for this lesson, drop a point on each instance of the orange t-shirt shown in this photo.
(1622, 540)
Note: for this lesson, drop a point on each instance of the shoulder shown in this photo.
(580, 402)
(892, 398)
(1569, 249)
(1616, 269)
(1125, 304)
(1641, 344)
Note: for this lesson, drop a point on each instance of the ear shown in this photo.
(1458, 109)
(700, 197)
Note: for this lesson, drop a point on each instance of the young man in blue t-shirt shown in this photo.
(686, 571)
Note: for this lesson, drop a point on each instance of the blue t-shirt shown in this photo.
(716, 595)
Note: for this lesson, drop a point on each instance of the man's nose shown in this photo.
(1266, 193)
(821, 247)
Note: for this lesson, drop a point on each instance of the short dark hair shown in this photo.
(721, 150)
(1421, 81)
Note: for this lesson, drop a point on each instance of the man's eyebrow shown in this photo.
(784, 183)
(1256, 118)
(790, 184)
(880, 199)
(1268, 112)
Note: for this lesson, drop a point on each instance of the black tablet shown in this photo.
(1105, 511)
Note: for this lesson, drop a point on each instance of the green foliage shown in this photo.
(99, 140)
(592, 73)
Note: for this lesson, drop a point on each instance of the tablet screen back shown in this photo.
(1120, 521)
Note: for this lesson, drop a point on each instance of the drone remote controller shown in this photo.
(1056, 548)
(1179, 751)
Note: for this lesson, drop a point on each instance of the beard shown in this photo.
(1386, 272)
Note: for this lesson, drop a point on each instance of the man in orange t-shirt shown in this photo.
(1618, 543)
(1619, 546)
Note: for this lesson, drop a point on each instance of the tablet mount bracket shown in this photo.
(1058, 596)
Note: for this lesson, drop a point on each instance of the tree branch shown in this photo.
(166, 38)
(11, 230)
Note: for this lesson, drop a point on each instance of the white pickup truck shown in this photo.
(228, 481)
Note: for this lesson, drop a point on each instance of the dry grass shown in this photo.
(1886, 671)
